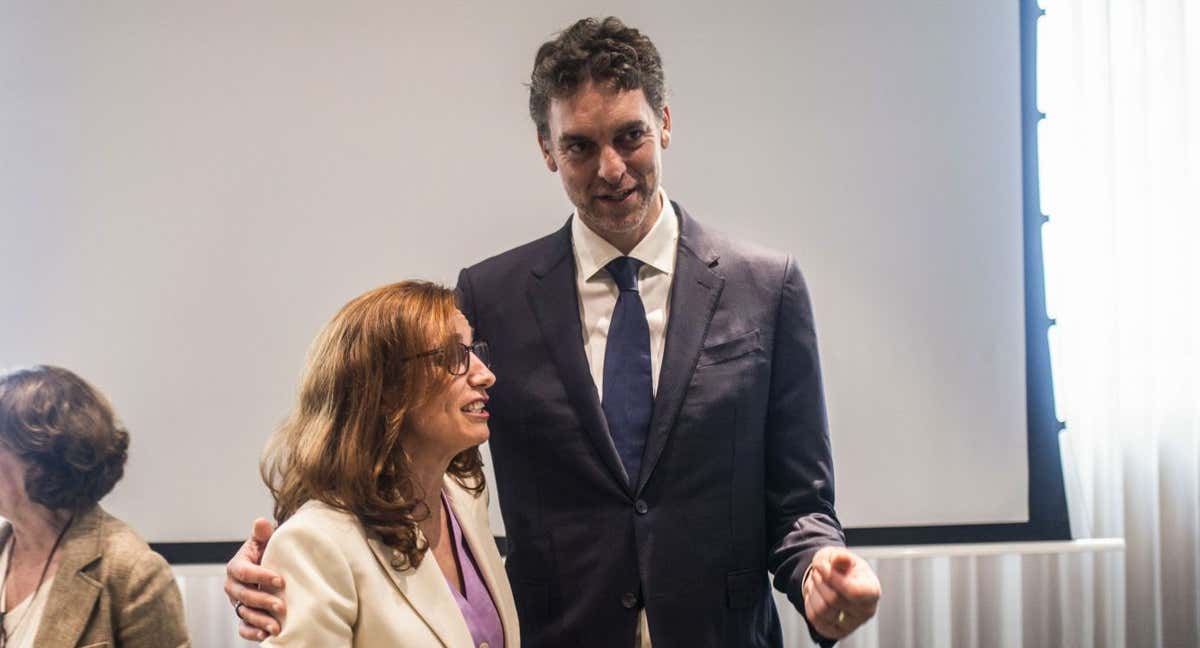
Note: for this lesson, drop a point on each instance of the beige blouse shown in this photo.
(22, 621)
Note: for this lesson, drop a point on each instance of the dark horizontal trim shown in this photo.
(219, 553)
(1028, 532)
(197, 553)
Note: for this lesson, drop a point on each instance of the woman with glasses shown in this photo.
(73, 574)
(378, 483)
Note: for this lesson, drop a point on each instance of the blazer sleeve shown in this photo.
(322, 600)
(466, 300)
(799, 462)
(150, 614)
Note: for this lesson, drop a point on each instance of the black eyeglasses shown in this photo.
(456, 356)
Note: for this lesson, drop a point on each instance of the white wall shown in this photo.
(189, 190)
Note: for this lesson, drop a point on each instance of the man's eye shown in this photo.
(577, 148)
(632, 138)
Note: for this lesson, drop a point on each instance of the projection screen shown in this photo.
(190, 190)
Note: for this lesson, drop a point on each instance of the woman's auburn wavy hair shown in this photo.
(343, 444)
(65, 433)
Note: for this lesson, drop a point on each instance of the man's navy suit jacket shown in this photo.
(736, 479)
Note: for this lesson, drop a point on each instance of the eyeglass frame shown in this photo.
(478, 348)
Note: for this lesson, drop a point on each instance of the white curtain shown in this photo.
(1119, 81)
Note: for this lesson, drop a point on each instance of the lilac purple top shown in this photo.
(475, 601)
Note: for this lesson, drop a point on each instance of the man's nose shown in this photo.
(612, 166)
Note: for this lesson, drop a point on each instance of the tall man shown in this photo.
(659, 430)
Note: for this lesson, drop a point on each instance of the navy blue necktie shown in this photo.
(628, 391)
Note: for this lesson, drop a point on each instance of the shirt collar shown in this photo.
(656, 249)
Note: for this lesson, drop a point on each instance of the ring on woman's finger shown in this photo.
(237, 610)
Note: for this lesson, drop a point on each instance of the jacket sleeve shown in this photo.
(466, 301)
(322, 600)
(799, 462)
(151, 614)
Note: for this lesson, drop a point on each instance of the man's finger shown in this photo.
(842, 562)
(833, 602)
(820, 613)
(816, 611)
(258, 619)
(839, 612)
(261, 532)
(250, 633)
(262, 600)
(815, 606)
(850, 601)
(860, 588)
(247, 573)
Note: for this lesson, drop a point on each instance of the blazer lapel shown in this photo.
(75, 590)
(695, 291)
(555, 303)
(427, 593)
(483, 548)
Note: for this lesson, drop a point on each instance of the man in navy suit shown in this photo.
(659, 431)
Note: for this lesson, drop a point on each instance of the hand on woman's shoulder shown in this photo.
(314, 551)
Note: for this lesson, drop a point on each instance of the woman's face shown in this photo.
(12, 483)
(456, 417)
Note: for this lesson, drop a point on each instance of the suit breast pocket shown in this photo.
(730, 349)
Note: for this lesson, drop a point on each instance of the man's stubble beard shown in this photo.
(630, 222)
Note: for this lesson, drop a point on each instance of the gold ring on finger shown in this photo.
(841, 617)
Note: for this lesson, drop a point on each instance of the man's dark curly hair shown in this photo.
(65, 434)
(605, 51)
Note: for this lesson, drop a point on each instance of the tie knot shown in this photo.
(624, 271)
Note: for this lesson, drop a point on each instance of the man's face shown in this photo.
(607, 146)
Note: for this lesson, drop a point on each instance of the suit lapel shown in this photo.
(75, 590)
(427, 593)
(695, 291)
(555, 303)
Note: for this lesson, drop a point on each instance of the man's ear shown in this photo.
(545, 149)
(665, 137)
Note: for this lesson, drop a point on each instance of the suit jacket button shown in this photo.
(641, 507)
(629, 600)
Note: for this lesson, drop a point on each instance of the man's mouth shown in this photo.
(617, 197)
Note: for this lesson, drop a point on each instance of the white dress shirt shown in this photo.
(598, 298)
(598, 292)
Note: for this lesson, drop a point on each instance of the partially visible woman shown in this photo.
(379, 487)
(73, 574)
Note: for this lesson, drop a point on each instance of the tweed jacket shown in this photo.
(110, 590)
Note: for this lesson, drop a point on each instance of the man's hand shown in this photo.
(841, 592)
(256, 588)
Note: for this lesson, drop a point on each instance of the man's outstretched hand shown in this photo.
(840, 593)
(259, 590)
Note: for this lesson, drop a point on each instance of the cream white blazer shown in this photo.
(342, 590)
